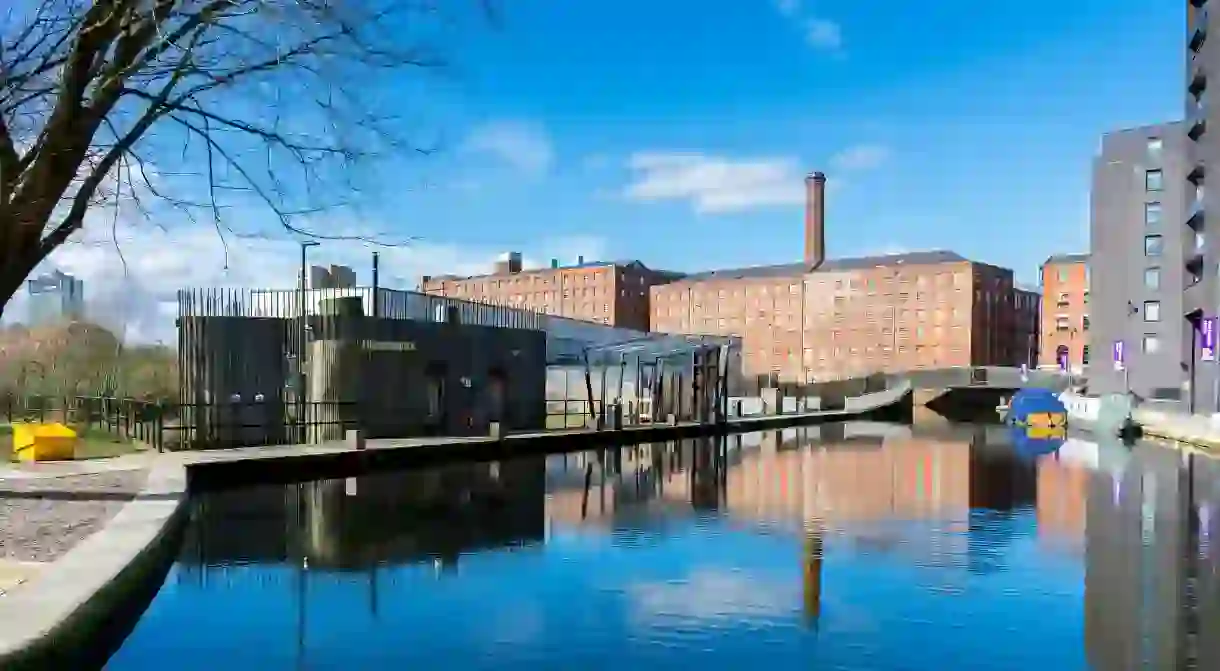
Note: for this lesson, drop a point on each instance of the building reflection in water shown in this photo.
(1151, 588)
(352, 525)
(1145, 519)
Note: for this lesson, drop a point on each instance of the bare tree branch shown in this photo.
(267, 101)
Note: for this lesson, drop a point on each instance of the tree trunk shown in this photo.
(20, 254)
(9, 286)
(14, 269)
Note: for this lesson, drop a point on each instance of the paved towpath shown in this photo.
(47, 509)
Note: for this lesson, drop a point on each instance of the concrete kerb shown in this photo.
(336, 460)
(56, 621)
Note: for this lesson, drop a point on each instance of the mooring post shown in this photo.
(355, 439)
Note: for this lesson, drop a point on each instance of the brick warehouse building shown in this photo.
(1064, 327)
(1028, 305)
(605, 292)
(853, 316)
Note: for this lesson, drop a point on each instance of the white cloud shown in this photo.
(719, 184)
(861, 157)
(715, 184)
(522, 145)
(824, 34)
(788, 7)
(820, 32)
(139, 299)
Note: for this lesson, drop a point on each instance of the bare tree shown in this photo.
(267, 101)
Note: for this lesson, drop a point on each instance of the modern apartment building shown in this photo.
(1064, 320)
(330, 277)
(606, 292)
(1147, 261)
(55, 297)
(1201, 297)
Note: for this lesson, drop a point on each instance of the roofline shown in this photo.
(545, 269)
(1072, 258)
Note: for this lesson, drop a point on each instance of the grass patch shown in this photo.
(97, 443)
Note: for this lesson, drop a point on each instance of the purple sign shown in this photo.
(1120, 353)
(1062, 356)
(1207, 337)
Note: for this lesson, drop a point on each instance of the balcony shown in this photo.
(1199, 34)
(1197, 118)
(1194, 255)
(1196, 218)
(1198, 82)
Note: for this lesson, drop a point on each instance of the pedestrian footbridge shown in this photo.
(965, 392)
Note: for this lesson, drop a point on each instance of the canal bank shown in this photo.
(352, 457)
(90, 594)
(1160, 421)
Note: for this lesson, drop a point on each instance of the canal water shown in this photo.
(857, 546)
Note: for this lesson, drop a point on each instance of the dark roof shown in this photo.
(1066, 258)
(927, 258)
(623, 263)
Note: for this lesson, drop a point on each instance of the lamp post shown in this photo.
(301, 395)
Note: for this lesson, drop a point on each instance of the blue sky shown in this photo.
(967, 126)
(677, 132)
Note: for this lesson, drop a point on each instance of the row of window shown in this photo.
(1064, 272)
(1150, 344)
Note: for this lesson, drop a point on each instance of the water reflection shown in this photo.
(855, 546)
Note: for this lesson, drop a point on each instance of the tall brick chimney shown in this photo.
(815, 220)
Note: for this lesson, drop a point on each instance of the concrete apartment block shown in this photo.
(1201, 294)
(1143, 250)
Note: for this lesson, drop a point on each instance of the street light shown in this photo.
(301, 395)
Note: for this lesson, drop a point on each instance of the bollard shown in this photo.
(355, 439)
(496, 429)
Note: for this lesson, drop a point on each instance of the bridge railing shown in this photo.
(984, 376)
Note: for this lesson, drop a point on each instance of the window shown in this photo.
(1152, 245)
(1154, 180)
(1151, 344)
(1062, 324)
(1085, 358)
(1084, 322)
(1152, 278)
(1152, 214)
(1152, 311)
(1155, 144)
(1063, 274)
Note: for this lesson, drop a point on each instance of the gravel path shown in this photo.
(42, 518)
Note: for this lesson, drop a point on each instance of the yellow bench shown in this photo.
(43, 442)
